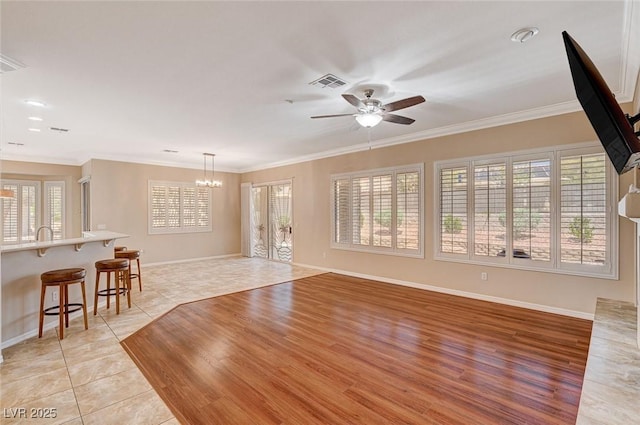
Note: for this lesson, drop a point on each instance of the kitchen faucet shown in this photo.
(44, 227)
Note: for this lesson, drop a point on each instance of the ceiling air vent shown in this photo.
(329, 80)
(62, 130)
(7, 64)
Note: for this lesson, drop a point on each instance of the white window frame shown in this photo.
(609, 270)
(179, 229)
(41, 214)
(393, 250)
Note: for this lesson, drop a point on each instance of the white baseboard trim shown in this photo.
(47, 326)
(473, 295)
(188, 260)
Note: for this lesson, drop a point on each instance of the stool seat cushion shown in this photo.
(112, 264)
(63, 275)
(130, 254)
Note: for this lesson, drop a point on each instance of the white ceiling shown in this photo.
(130, 79)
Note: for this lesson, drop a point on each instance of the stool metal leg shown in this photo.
(61, 309)
(139, 275)
(117, 278)
(109, 289)
(66, 305)
(95, 297)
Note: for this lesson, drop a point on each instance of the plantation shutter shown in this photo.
(54, 208)
(158, 207)
(583, 223)
(490, 206)
(531, 209)
(203, 208)
(178, 208)
(361, 210)
(341, 210)
(189, 207)
(21, 214)
(378, 210)
(408, 210)
(382, 210)
(453, 210)
(10, 216)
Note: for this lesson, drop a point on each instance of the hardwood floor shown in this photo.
(332, 349)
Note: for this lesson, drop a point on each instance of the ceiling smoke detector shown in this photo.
(524, 34)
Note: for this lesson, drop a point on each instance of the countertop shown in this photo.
(97, 236)
(611, 387)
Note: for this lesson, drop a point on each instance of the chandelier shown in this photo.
(7, 194)
(205, 182)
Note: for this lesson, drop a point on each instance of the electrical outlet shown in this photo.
(484, 276)
(54, 295)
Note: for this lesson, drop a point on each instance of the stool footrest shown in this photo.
(111, 291)
(76, 306)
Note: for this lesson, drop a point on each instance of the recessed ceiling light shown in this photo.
(35, 118)
(36, 130)
(524, 34)
(35, 103)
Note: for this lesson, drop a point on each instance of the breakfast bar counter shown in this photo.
(21, 267)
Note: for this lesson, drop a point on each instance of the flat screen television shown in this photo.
(613, 127)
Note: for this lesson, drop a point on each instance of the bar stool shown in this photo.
(132, 254)
(120, 269)
(62, 279)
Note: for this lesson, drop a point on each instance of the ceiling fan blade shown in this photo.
(353, 100)
(332, 116)
(404, 103)
(397, 119)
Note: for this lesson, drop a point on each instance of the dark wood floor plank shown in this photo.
(332, 349)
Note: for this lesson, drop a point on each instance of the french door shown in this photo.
(271, 232)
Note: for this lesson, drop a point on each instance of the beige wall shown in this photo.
(119, 202)
(52, 172)
(311, 191)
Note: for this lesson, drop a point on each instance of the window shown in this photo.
(85, 203)
(543, 210)
(23, 214)
(176, 207)
(379, 211)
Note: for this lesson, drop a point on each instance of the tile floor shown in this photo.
(88, 378)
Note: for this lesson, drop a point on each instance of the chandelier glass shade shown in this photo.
(206, 182)
(7, 194)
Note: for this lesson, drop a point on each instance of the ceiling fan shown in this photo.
(372, 111)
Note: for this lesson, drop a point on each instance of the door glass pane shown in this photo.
(280, 213)
(260, 231)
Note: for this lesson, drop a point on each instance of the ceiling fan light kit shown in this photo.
(368, 120)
